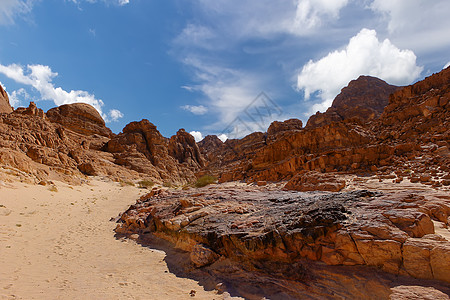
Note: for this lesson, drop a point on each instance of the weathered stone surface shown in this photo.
(364, 98)
(257, 224)
(5, 107)
(142, 148)
(289, 125)
(315, 181)
(409, 292)
(202, 256)
(79, 117)
(183, 148)
(410, 138)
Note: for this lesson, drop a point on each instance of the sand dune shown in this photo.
(61, 245)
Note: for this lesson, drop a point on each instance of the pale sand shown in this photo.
(61, 245)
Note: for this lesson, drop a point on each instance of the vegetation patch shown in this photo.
(205, 180)
(145, 184)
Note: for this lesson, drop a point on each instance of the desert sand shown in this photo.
(57, 242)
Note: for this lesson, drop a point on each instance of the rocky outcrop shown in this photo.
(410, 139)
(73, 142)
(315, 181)
(364, 98)
(141, 147)
(393, 231)
(4, 102)
(184, 149)
(31, 110)
(288, 125)
(210, 147)
(79, 117)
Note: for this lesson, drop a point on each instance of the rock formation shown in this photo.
(72, 141)
(410, 138)
(4, 102)
(183, 148)
(391, 231)
(364, 98)
(288, 125)
(79, 117)
(142, 148)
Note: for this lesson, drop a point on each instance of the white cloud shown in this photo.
(9, 9)
(195, 109)
(421, 25)
(364, 55)
(197, 135)
(228, 91)
(223, 137)
(15, 98)
(264, 18)
(40, 78)
(114, 115)
(447, 65)
(115, 2)
(313, 13)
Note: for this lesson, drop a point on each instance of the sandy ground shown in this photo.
(61, 245)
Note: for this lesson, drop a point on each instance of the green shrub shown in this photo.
(125, 183)
(145, 184)
(205, 180)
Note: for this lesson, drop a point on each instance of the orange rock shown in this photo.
(4, 102)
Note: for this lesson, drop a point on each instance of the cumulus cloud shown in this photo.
(364, 55)
(9, 9)
(40, 77)
(195, 109)
(421, 25)
(114, 115)
(197, 135)
(15, 98)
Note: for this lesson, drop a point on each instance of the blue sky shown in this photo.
(198, 64)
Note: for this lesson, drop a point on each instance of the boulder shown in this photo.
(81, 118)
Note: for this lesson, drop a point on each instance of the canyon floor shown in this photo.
(57, 242)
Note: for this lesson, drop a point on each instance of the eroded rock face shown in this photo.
(315, 181)
(392, 231)
(183, 148)
(288, 125)
(4, 102)
(410, 139)
(364, 98)
(142, 148)
(79, 117)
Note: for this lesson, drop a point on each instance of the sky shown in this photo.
(224, 67)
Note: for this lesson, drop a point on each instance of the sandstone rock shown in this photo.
(79, 117)
(315, 181)
(288, 125)
(408, 292)
(142, 148)
(183, 148)
(4, 102)
(31, 110)
(256, 225)
(363, 98)
(202, 256)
